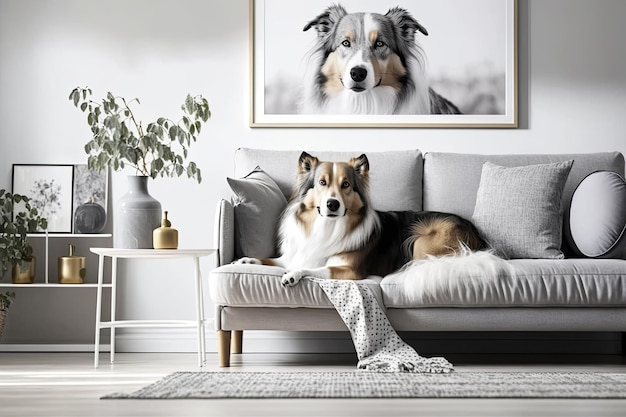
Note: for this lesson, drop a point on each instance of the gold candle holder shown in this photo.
(71, 268)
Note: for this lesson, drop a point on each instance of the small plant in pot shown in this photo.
(157, 149)
(6, 298)
(16, 253)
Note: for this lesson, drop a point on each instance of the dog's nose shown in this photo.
(332, 204)
(358, 74)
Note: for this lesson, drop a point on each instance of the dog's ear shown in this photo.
(325, 22)
(306, 163)
(305, 175)
(361, 165)
(406, 23)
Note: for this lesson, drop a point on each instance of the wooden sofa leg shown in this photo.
(237, 341)
(223, 348)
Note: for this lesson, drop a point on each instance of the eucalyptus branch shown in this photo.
(159, 150)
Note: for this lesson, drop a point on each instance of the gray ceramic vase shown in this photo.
(136, 215)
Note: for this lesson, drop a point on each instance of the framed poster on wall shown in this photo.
(50, 189)
(89, 199)
(379, 63)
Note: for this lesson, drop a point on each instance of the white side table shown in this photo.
(115, 254)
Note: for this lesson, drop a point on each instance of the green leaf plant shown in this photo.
(14, 227)
(160, 148)
(6, 298)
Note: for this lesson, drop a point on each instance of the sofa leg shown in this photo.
(223, 348)
(237, 341)
(623, 343)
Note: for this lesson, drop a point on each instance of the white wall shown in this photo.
(572, 96)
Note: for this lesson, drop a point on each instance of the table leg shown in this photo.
(113, 304)
(202, 316)
(199, 312)
(96, 348)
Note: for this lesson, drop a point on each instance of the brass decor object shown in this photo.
(165, 237)
(71, 268)
(23, 272)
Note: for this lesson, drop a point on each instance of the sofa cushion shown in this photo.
(518, 210)
(532, 283)
(395, 176)
(258, 203)
(259, 286)
(597, 216)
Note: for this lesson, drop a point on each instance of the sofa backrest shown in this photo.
(395, 176)
(406, 180)
(451, 180)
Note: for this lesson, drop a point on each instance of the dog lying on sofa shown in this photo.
(330, 230)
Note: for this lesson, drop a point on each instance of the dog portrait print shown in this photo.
(382, 58)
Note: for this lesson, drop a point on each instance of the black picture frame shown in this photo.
(50, 189)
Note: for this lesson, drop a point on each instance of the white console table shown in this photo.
(115, 254)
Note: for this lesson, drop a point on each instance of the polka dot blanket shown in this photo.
(378, 346)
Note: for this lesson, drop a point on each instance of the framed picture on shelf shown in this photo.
(90, 199)
(384, 63)
(50, 189)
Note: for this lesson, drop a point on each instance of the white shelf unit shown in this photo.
(47, 238)
(52, 285)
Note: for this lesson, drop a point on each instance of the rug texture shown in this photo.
(363, 384)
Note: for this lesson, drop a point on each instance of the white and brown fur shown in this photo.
(368, 63)
(330, 229)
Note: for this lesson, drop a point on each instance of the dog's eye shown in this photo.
(346, 43)
(323, 183)
(379, 44)
(345, 184)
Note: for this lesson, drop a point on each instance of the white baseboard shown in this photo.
(184, 340)
(51, 347)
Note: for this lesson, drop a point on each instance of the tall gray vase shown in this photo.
(137, 214)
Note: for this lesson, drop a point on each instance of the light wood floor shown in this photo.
(66, 384)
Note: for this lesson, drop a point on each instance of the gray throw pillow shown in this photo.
(258, 204)
(597, 216)
(518, 209)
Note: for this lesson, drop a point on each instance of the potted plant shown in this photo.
(158, 149)
(15, 249)
(6, 299)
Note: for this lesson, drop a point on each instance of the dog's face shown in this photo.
(364, 50)
(332, 190)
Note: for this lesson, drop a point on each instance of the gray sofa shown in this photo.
(575, 293)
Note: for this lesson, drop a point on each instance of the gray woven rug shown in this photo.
(363, 384)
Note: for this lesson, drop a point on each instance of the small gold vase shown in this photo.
(24, 272)
(71, 268)
(165, 237)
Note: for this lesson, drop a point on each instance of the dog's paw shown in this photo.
(249, 261)
(289, 279)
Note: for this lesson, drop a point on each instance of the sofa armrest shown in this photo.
(225, 232)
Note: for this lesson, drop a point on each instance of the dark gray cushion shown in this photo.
(597, 216)
(258, 203)
(518, 210)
